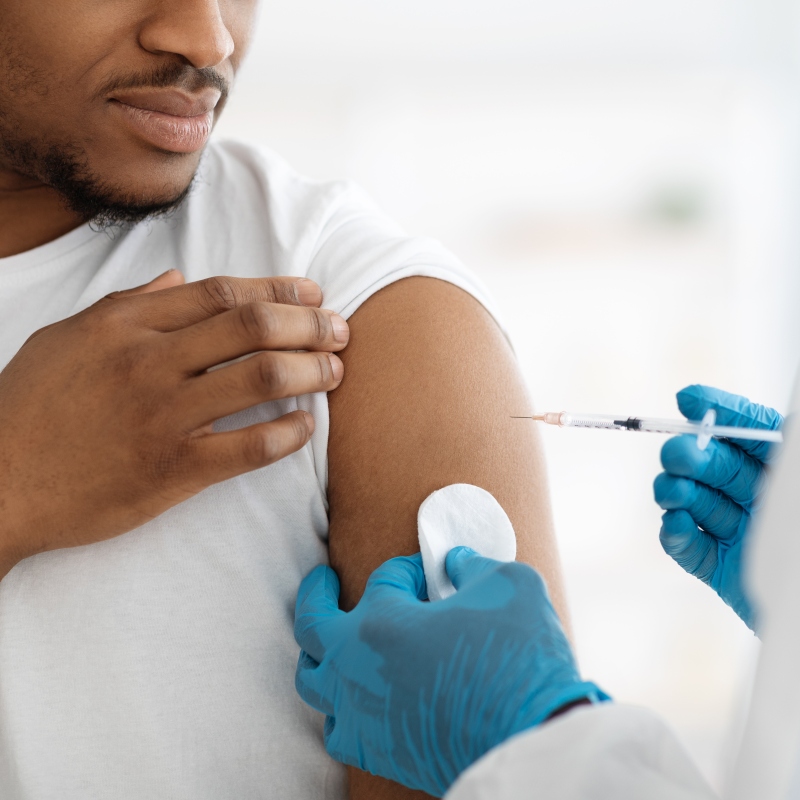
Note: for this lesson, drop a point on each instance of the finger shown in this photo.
(331, 737)
(464, 566)
(166, 280)
(732, 409)
(317, 605)
(692, 549)
(721, 465)
(181, 306)
(402, 577)
(217, 457)
(264, 377)
(254, 327)
(310, 680)
(344, 744)
(710, 509)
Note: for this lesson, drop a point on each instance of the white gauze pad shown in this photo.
(458, 515)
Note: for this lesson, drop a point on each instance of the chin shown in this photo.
(122, 197)
(106, 208)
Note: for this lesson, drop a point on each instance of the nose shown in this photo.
(192, 29)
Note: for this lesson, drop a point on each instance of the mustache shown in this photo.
(180, 76)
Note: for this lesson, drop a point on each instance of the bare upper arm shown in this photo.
(430, 384)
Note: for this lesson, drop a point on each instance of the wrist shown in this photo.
(567, 698)
(583, 701)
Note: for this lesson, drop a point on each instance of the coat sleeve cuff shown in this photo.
(597, 751)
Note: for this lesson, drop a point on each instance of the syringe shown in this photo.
(704, 430)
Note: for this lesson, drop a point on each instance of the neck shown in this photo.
(31, 214)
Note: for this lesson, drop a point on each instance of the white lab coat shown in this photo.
(623, 752)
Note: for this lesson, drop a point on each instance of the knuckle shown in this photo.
(319, 325)
(272, 290)
(299, 430)
(164, 465)
(324, 368)
(37, 334)
(261, 447)
(271, 374)
(524, 574)
(130, 365)
(167, 462)
(220, 293)
(108, 313)
(704, 506)
(258, 321)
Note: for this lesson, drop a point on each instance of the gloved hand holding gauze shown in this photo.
(417, 692)
(461, 515)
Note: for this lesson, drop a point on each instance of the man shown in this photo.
(474, 697)
(160, 663)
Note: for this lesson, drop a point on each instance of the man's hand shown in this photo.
(710, 495)
(107, 416)
(416, 692)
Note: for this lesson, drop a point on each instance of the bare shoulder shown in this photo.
(430, 385)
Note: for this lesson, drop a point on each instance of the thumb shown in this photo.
(731, 409)
(168, 279)
(317, 606)
(464, 566)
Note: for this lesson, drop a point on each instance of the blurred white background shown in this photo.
(624, 177)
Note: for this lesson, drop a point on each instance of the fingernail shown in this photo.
(310, 424)
(308, 293)
(341, 331)
(336, 366)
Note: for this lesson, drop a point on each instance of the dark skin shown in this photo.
(112, 409)
(59, 55)
(431, 380)
(431, 385)
(141, 355)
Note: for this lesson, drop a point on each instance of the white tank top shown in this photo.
(161, 664)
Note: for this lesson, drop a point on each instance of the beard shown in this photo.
(65, 168)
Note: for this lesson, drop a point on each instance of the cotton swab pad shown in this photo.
(457, 515)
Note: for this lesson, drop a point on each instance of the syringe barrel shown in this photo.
(592, 421)
(554, 417)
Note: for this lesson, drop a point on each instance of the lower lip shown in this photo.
(167, 131)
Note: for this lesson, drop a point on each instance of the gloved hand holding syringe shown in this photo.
(709, 491)
(704, 429)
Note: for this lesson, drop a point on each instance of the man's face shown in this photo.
(111, 102)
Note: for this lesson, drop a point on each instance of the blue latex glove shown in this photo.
(416, 692)
(711, 494)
